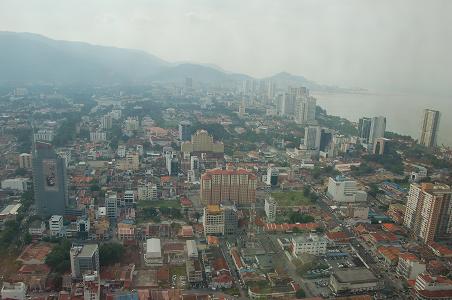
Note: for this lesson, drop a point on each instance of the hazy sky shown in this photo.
(378, 44)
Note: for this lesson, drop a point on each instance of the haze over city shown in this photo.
(385, 46)
(225, 150)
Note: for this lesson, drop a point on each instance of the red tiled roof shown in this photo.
(288, 227)
(337, 235)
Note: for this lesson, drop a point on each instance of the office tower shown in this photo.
(111, 204)
(184, 131)
(49, 181)
(84, 259)
(428, 214)
(272, 176)
(364, 129)
(231, 220)
(106, 122)
(312, 137)
(25, 161)
(429, 129)
(377, 129)
(326, 138)
(235, 185)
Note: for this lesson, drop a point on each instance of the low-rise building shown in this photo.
(17, 291)
(344, 190)
(56, 227)
(18, 184)
(9, 213)
(192, 249)
(353, 280)
(37, 228)
(153, 252)
(312, 244)
(409, 266)
(194, 271)
(432, 287)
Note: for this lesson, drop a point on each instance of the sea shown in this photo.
(404, 113)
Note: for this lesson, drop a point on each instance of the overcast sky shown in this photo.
(378, 44)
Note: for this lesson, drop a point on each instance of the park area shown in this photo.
(291, 198)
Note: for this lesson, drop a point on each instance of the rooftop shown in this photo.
(355, 275)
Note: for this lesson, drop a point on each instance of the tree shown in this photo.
(59, 260)
(110, 253)
(300, 293)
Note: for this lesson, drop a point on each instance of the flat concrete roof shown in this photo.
(88, 250)
(354, 275)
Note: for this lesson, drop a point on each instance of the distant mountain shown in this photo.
(27, 58)
(32, 58)
(284, 80)
(201, 73)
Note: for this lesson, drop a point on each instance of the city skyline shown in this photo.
(201, 30)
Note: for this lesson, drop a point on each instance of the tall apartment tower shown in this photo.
(377, 129)
(364, 129)
(235, 185)
(429, 128)
(312, 137)
(428, 214)
(184, 131)
(25, 161)
(49, 181)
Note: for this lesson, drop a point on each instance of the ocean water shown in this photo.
(403, 113)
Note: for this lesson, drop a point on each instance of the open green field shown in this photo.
(160, 203)
(291, 198)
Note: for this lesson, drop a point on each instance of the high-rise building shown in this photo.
(377, 129)
(25, 161)
(49, 181)
(305, 107)
(213, 220)
(111, 204)
(270, 208)
(235, 185)
(364, 129)
(429, 129)
(272, 176)
(184, 131)
(312, 137)
(84, 259)
(326, 139)
(106, 122)
(428, 214)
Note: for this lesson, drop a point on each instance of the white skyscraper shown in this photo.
(377, 129)
(429, 128)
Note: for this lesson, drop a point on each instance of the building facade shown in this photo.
(49, 181)
(428, 214)
(234, 185)
(429, 128)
